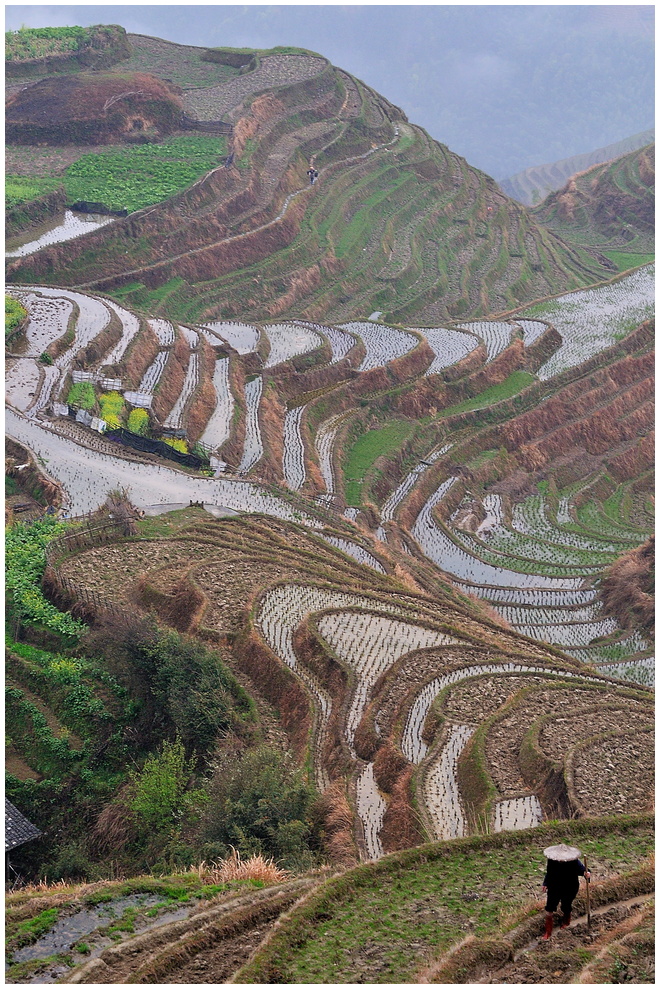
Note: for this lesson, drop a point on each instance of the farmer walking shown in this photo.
(562, 881)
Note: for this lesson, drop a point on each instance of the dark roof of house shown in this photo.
(17, 827)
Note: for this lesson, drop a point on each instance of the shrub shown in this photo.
(235, 868)
(82, 395)
(25, 562)
(179, 445)
(15, 313)
(138, 421)
(181, 685)
(260, 804)
(111, 403)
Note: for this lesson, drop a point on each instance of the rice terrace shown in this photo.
(329, 534)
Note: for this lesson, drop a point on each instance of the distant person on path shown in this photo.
(562, 881)
(313, 175)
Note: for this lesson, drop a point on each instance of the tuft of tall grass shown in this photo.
(234, 867)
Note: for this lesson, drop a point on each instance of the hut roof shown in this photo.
(18, 829)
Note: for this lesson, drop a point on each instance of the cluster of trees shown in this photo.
(177, 774)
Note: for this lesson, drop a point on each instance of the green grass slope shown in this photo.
(383, 922)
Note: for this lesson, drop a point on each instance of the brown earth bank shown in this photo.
(169, 387)
(204, 398)
(140, 354)
(92, 109)
(43, 489)
(336, 680)
(232, 449)
(627, 589)
(271, 422)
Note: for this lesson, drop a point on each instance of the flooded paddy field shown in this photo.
(56, 231)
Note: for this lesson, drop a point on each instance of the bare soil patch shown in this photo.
(219, 963)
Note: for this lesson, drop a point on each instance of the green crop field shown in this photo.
(128, 178)
(137, 177)
(20, 189)
(498, 393)
(624, 261)
(28, 43)
(366, 450)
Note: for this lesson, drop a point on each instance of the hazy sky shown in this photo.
(505, 86)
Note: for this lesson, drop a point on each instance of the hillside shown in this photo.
(534, 184)
(609, 207)
(472, 544)
(329, 537)
(396, 223)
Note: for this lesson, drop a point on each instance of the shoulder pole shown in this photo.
(586, 869)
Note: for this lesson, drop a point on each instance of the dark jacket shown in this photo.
(563, 874)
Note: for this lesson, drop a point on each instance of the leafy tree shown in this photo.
(159, 789)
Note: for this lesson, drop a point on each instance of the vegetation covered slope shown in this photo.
(396, 222)
(31, 52)
(534, 184)
(608, 206)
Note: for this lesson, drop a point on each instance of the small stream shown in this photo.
(56, 231)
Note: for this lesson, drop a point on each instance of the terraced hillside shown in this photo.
(349, 550)
(534, 184)
(524, 487)
(608, 206)
(395, 223)
(348, 625)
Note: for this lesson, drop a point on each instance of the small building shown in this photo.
(18, 830)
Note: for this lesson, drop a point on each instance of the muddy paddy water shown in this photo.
(65, 227)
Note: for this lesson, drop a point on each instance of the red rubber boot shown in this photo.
(548, 927)
(565, 920)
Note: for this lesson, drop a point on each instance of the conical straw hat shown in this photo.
(562, 853)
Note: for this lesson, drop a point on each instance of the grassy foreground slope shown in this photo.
(385, 921)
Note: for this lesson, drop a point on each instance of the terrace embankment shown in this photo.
(627, 588)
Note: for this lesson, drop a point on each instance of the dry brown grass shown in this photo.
(235, 868)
